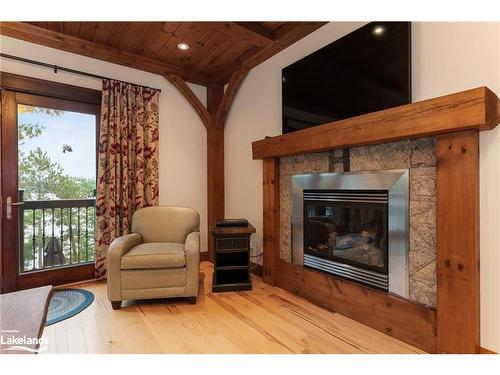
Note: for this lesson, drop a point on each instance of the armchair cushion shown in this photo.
(165, 223)
(154, 255)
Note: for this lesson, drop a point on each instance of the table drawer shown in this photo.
(231, 243)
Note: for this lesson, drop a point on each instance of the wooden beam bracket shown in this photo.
(231, 91)
(184, 89)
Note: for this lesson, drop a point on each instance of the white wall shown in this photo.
(256, 113)
(447, 57)
(182, 150)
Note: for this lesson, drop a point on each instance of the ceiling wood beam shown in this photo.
(184, 89)
(252, 32)
(39, 35)
(285, 36)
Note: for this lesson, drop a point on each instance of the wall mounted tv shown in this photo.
(364, 71)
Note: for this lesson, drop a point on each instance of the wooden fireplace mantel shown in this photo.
(455, 120)
(475, 109)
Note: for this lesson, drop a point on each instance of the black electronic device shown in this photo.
(365, 71)
(231, 223)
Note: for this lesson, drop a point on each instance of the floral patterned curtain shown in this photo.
(128, 161)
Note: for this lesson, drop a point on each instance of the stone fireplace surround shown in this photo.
(417, 155)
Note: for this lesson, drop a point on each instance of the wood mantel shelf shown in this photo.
(475, 109)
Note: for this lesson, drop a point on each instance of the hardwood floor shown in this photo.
(264, 320)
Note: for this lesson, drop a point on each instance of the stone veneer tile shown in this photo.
(423, 184)
(392, 155)
(419, 258)
(423, 285)
(423, 152)
(285, 215)
(306, 163)
(422, 212)
(417, 155)
(422, 236)
(301, 164)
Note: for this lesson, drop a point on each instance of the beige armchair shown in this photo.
(160, 259)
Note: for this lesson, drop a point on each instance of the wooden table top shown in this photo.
(233, 230)
(23, 313)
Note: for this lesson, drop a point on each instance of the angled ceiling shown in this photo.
(217, 49)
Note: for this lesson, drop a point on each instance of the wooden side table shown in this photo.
(231, 258)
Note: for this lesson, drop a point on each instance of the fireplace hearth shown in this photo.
(354, 226)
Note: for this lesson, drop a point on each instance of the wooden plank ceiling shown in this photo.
(217, 49)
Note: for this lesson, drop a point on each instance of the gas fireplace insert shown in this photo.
(354, 226)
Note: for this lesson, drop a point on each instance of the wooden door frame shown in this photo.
(46, 93)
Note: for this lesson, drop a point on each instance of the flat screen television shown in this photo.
(364, 71)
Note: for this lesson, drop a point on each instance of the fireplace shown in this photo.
(354, 226)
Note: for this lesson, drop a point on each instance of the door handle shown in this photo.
(9, 207)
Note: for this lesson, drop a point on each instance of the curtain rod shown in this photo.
(57, 68)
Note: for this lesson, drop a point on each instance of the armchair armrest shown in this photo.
(116, 250)
(192, 249)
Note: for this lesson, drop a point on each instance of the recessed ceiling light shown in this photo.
(378, 30)
(183, 46)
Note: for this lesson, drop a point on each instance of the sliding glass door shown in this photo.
(49, 182)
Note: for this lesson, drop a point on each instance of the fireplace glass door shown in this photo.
(347, 228)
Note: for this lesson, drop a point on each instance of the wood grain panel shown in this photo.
(450, 113)
(178, 36)
(10, 259)
(196, 40)
(56, 26)
(252, 33)
(457, 209)
(215, 162)
(87, 30)
(150, 33)
(103, 31)
(69, 28)
(221, 46)
(212, 42)
(406, 321)
(68, 43)
(133, 36)
(225, 57)
(117, 34)
(271, 220)
(162, 38)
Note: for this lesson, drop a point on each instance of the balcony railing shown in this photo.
(56, 233)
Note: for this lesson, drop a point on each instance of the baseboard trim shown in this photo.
(486, 351)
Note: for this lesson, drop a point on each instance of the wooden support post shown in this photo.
(457, 208)
(214, 118)
(215, 163)
(271, 219)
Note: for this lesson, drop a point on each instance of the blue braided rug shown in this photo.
(66, 303)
